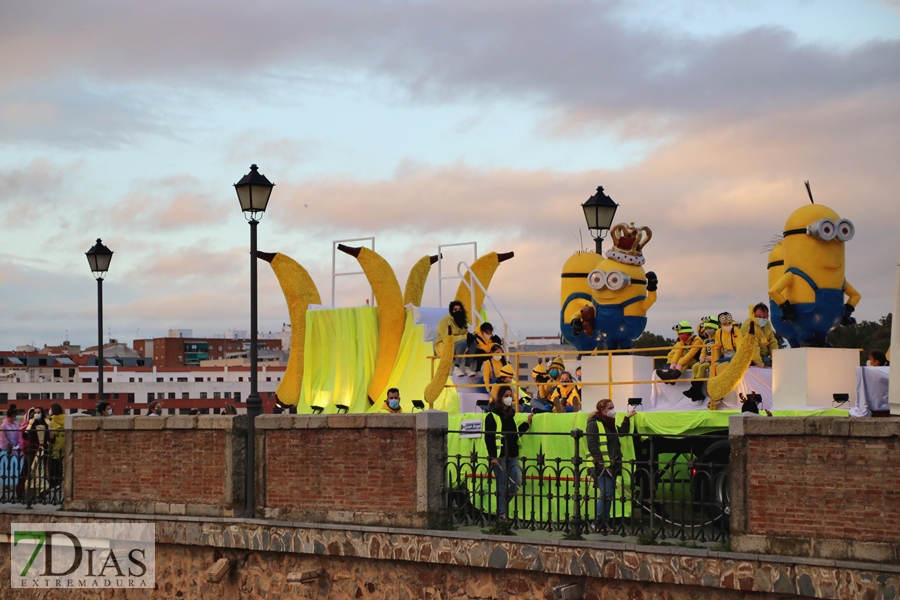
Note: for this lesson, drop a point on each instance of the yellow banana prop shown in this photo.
(433, 390)
(415, 282)
(299, 292)
(724, 383)
(391, 314)
(483, 269)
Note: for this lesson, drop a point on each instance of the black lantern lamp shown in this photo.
(253, 191)
(599, 212)
(99, 258)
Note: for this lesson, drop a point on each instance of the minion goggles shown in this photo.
(614, 280)
(826, 230)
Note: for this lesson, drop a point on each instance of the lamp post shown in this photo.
(253, 192)
(99, 258)
(599, 212)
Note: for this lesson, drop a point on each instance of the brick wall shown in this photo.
(817, 486)
(366, 469)
(158, 465)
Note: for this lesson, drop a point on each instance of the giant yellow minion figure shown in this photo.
(621, 291)
(810, 294)
(775, 271)
(575, 301)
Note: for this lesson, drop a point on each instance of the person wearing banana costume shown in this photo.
(709, 326)
(809, 297)
(765, 335)
(565, 397)
(621, 291)
(684, 354)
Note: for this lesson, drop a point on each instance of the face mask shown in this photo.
(394, 403)
(109, 412)
(726, 327)
(158, 411)
(507, 400)
(496, 357)
(554, 373)
(868, 363)
(578, 377)
(38, 416)
(762, 322)
(565, 383)
(540, 378)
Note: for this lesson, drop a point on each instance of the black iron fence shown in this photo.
(31, 475)
(665, 488)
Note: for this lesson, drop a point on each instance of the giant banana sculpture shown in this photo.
(483, 269)
(299, 292)
(391, 314)
(433, 390)
(415, 282)
(724, 383)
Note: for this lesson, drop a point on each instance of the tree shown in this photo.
(865, 335)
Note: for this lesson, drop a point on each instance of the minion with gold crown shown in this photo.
(809, 297)
(621, 292)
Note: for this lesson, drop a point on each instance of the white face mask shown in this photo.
(868, 363)
(496, 357)
(507, 400)
(761, 322)
(726, 327)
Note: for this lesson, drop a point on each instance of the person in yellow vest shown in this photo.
(728, 338)
(456, 324)
(392, 404)
(490, 370)
(708, 329)
(565, 397)
(765, 335)
(684, 354)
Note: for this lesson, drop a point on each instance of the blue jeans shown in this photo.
(508, 476)
(461, 348)
(767, 360)
(607, 486)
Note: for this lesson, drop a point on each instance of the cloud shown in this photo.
(176, 202)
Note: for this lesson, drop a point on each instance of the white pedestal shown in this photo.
(811, 376)
(624, 368)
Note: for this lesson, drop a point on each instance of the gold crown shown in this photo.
(628, 242)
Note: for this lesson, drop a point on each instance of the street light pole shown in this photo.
(99, 258)
(599, 212)
(253, 192)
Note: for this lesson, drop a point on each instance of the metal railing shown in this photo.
(30, 477)
(667, 488)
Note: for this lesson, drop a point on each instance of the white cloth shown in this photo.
(871, 390)
(671, 397)
(428, 318)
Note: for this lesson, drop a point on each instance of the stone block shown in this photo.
(389, 421)
(181, 422)
(871, 551)
(310, 422)
(736, 425)
(86, 423)
(779, 426)
(274, 422)
(117, 423)
(827, 426)
(873, 427)
(215, 422)
(789, 546)
(833, 549)
(346, 421)
(432, 419)
(150, 422)
(200, 510)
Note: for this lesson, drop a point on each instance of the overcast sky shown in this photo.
(424, 123)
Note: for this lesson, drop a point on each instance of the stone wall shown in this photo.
(366, 469)
(816, 486)
(156, 465)
(384, 563)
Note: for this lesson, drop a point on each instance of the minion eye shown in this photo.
(845, 230)
(824, 230)
(597, 279)
(616, 280)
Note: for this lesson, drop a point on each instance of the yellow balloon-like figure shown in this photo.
(807, 301)
(621, 293)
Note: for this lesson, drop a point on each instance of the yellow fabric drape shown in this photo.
(341, 347)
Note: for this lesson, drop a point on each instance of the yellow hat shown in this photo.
(558, 362)
(540, 369)
(508, 370)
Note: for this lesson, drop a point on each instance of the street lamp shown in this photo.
(99, 258)
(253, 192)
(599, 212)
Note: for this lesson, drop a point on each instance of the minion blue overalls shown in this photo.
(582, 342)
(617, 329)
(814, 319)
